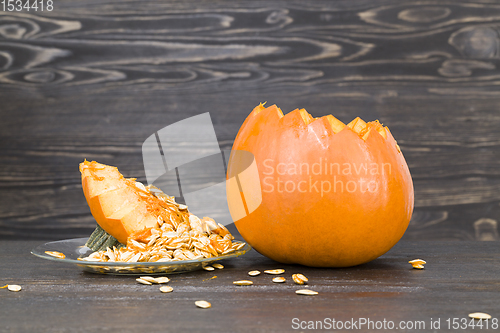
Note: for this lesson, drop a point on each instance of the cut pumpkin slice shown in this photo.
(99, 178)
(110, 208)
(121, 206)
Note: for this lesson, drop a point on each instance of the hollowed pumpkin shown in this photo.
(333, 195)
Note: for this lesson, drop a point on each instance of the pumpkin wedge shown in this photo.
(120, 206)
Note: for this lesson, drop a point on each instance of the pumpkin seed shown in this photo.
(254, 273)
(479, 315)
(162, 279)
(14, 287)
(149, 279)
(239, 245)
(417, 263)
(279, 279)
(243, 283)
(299, 278)
(208, 268)
(306, 292)
(166, 289)
(203, 304)
(218, 266)
(274, 271)
(134, 258)
(56, 254)
(143, 281)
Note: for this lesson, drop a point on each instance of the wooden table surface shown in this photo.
(459, 278)
(93, 79)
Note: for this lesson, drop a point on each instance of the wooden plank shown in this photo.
(61, 297)
(94, 79)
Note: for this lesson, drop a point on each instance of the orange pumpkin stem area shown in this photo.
(332, 195)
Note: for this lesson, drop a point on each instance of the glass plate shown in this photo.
(75, 248)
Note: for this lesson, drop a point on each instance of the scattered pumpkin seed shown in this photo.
(14, 287)
(279, 279)
(274, 271)
(417, 263)
(299, 278)
(56, 254)
(149, 279)
(203, 304)
(243, 283)
(143, 281)
(208, 268)
(479, 315)
(166, 289)
(218, 266)
(162, 279)
(306, 292)
(254, 273)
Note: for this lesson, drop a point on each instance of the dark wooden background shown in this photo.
(94, 78)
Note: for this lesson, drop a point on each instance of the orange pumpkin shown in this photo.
(332, 195)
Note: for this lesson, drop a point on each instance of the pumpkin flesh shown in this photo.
(115, 202)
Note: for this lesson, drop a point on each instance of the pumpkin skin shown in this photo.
(301, 224)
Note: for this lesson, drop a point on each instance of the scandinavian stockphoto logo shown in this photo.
(184, 160)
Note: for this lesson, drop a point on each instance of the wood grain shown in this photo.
(59, 297)
(93, 79)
